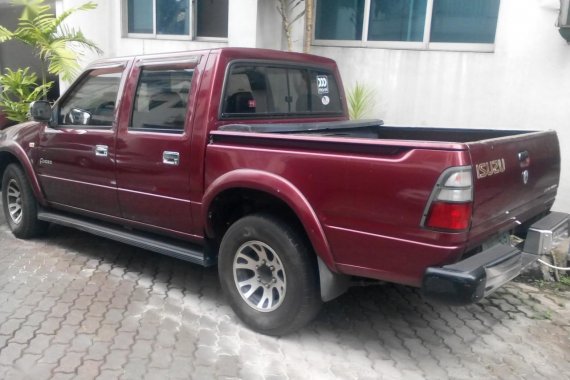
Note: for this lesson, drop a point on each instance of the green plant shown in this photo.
(360, 101)
(57, 46)
(19, 89)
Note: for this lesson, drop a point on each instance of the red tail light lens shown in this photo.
(449, 216)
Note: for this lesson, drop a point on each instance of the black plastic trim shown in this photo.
(181, 250)
(468, 281)
(301, 127)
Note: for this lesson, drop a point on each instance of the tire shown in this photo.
(19, 203)
(280, 295)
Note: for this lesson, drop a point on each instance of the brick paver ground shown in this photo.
(77, 306)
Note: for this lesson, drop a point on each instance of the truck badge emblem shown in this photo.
(525, 177)
(487, 169)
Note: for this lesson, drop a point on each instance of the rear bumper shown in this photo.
(476, 277)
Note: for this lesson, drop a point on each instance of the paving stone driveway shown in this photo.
(76, 306)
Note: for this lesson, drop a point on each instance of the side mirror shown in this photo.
(40, 110)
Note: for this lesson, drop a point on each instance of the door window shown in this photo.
(92, 102)
(161, 100)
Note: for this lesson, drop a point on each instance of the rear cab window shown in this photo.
(273, 90)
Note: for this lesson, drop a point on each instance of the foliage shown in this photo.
(57, 46)
(360, 101)
(19, 89)
(289, 15)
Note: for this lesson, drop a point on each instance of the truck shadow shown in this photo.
(377, 323)
(386, 304)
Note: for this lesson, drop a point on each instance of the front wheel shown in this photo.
(20, 207)
(269, 275)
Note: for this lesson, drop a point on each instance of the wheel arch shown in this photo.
(18, 156)
(255, 182)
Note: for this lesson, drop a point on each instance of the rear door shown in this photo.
(153, 144)
(76, 161)
(515, 178)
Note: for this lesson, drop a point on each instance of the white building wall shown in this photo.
(105, 27)
(252, 23)
(523, 84)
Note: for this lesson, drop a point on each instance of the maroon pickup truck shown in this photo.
(246, 159)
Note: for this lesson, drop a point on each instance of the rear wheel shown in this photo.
(20, 207)
(269, 275)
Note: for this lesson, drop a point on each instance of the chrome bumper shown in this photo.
(476, 277)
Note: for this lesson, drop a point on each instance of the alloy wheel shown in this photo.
(14, 201)
(259, 276)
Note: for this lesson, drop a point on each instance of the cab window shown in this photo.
(92, 102)
(161, 100)
(268, 90)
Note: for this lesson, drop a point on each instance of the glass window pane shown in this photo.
(397, 20)
(212, 18)
(280, 91)
(161, 100)
(172, 17)
(279, 100)
(472, 21)
(324, 94)
(339, 19)
(92, 102)
(140, 16)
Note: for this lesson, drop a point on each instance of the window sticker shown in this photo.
(326, 100)
(322, 84)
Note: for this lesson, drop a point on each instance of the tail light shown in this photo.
(451, 202)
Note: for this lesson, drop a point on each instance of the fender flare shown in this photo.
(280, 188)
(20, 155)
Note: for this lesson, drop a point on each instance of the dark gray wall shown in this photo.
(14, 54)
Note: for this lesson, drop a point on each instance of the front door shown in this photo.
(76, 160)
(153, 147)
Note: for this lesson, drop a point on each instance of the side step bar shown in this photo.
(166, 246)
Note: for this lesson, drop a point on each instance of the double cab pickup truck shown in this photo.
(246, 159)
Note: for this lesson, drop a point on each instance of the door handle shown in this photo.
(170, 158)
(101, 150)
(524, 159)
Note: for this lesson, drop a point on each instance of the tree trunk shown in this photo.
(44, 78)
(283, 9)
(308, 26)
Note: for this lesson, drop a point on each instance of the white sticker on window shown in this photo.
(326, 100)
(322, 84)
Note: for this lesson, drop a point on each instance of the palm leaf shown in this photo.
(77, 37)
(58, 47)
(84, 7)
(5, 34)
(62, 60)
(31, 8)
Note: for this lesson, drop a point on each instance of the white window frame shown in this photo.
(404, 45)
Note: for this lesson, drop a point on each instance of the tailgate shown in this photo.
(515, 178)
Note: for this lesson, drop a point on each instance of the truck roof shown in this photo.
(230, 53)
